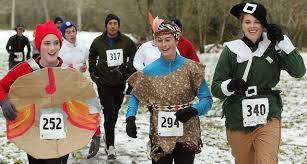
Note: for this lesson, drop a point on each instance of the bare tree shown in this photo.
(79, 14)
(13, 14)
(45, 9)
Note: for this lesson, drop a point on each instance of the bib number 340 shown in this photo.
(52, 126)
(255, 111)
(168, 125)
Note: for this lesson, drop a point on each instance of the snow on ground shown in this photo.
(293, 147)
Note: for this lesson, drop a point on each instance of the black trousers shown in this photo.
(180, 155)
(60, 160)
(111, 99)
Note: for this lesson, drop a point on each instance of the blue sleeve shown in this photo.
(133, 104)
(205, 99)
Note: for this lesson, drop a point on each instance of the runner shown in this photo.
(246, 73)
(175, 127)
(48, 41)
(58, 21)
(73, 53)
(110, 64)
(15, 47)
(185, 46)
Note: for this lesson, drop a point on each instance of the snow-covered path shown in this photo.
(293, 148)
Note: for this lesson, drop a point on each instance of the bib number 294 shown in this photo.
(52, 126)
(168, 125)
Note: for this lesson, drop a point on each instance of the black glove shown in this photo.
(237, 85)
(183, 115)
(94, 77)
(117, 70)
(131, 127)
(8, 109)
(94, 148)
(274, 33)
(121, 69)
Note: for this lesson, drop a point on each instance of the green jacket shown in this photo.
(111, 75)
(264, 73)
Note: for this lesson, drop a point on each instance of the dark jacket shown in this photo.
(111, 75)
(17, 44)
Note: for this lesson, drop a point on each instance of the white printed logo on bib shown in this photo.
(168, 125)
(52, 126)
(255, 111)
(114, 57)
(18, 56)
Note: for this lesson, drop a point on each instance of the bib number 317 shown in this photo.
(168, 125)
(255, 111)
(52, 126)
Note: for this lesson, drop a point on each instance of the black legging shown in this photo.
(111, 99)
(60, 160)
(181, 155)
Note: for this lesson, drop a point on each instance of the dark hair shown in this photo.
(57, 19)
(110, 17)
(177, 22)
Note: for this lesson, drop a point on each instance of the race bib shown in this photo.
(114, 57)
(168, 125)
(255, 111)
(18, 56)
(52, 126)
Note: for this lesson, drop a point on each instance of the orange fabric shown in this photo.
(78, 115)
(258, 147)
(23, 122)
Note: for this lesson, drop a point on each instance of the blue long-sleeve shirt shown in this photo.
(162, 67)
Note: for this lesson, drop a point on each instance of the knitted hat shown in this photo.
(57, 19)
(255, 9)
(66, 25)
(110, 17)
(167, 27)
(44, 29)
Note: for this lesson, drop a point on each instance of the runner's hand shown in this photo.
(8, 109)
(274, 33)
(237, 85)
(183, 115)
(131, 127)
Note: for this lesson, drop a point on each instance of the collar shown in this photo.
(68, 44)
(243, 51)
(178, 59)
(40, 66)
(250, 44)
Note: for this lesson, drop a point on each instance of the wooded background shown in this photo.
(204, 21)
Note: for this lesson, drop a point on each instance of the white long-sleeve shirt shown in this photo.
(146, 54)
(73, 54)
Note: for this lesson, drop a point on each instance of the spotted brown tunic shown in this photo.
(157, 92)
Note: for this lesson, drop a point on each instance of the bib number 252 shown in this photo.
(52, 126)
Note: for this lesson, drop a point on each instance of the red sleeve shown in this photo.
(187, 50)
(98, 132)
(191, 53)
(11, 76)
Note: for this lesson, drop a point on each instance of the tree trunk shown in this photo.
(13, 14)
(79, 14)
(45, 8)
